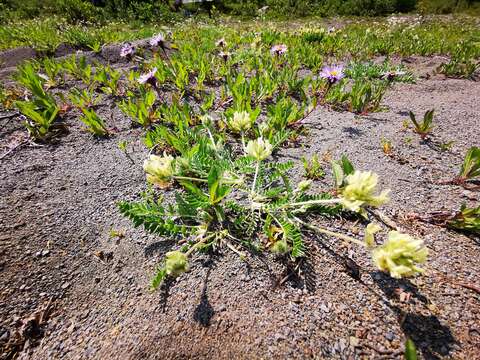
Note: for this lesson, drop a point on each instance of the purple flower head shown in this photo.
(148, 78)
(158, 40)
(127, 50)
(278, 49)
(221, 43)
(391, 75)
(332, 74)
(224, 55)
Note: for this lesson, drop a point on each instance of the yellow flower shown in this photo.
(370, 231)
(241, 121)
(176, 263)
(260, 149)
(360, 189)
(400, 254)
(159, 169)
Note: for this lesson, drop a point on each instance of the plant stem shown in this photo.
(243, 142)
(198, 243)
(189, 178)
(313, 202)
(330, 233)
(235, 250)
(212, 139)
(255, 177)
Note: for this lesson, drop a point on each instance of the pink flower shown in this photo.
(127, 50)
(332, 74)
(148, 78)
(158, 40)
(221, 43)
(278, 49)
(224, 55)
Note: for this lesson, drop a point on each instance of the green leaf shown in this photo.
(337, 174)
(159, 277)
(410, 350)
(471, 165)
(347, 166)
(468, 219)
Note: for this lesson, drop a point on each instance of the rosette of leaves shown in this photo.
(221, 203)
(246, 203)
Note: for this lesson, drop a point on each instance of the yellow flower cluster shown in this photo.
(400, 254)
(360, 191)
(159, 169)
(260, 149)
(241, 121)
(176, 263)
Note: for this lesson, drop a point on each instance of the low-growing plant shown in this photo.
(463, 63)
(466, 219)
(387, 146)
(40, 117)
(341, 169)
(109, 80)
(425, 127)
(313, 169)
(179, 76)
(79, 68)
(248, 204)
(42, 109)
(410, 350)
(470, 169)
(362, 98)
(8, 96)
(370, 70)
(53, 72)
(446, 146)
(141, 109)
(83, 98)
(95, 123)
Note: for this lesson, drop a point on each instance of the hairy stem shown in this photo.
(330, 233)
(198, 243)
(189, 178)
(243, 142)
(257, 167)
(313, 202)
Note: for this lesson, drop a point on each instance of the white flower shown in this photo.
(221, 43)
(224, 55)
(176, 263)
(304, 185)
(259, 149)
(127, 50)
(279, 49)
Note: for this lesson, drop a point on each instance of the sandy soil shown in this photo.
(58, 260)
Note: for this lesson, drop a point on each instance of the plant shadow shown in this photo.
(352, 132)
(390, 285)
(204, 312)
(434, 339)
(430, 336)
(158, 247)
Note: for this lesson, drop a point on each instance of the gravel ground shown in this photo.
(60, 266)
